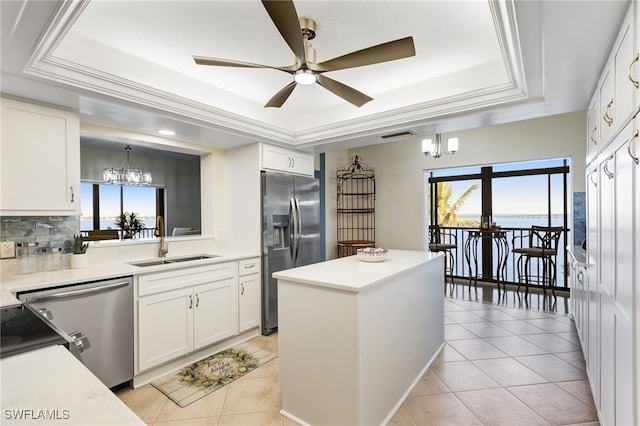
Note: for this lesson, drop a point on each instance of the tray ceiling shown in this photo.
(129, 64)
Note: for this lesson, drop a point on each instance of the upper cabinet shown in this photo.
(282, 159)
(618, 93)
(624, 56)
(40, 160)
(593, 128)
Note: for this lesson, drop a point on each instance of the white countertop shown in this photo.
(106, 270)
(52, 382)
(352, 274)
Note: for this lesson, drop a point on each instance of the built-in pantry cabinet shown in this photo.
(39, 160)
(593, 298)
(606, 287)
(615, 278)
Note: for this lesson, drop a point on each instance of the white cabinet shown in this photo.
(593, 128)
(616, 236)
(214, 312)
(39, 156)
(249, 298)
(165, 327)
(592, 353)
(605, 96)
(276, 158)
(625, 90)
(617, 91)
(612, 298)
(183, 310)
(578, 306)
(248, 294)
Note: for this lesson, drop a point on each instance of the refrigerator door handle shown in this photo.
(293, 219)
(298, 228)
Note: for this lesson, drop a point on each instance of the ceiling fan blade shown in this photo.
(397, 49)
(204, 60)
(285, 18)
(282, 96)
(347, 93)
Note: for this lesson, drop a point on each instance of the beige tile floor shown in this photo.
(501, 365)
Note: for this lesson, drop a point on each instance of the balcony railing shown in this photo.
(461, 269)
(117, 234)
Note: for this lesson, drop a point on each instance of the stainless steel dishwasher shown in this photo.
(99, 317)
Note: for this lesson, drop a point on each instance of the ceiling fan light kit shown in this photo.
(304, 77)
(297, 32)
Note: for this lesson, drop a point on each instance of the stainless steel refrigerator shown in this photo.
(290, 233)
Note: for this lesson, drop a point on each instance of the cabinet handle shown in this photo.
(595, 129)
(607, 118)
(289, 158)
(633, 157)
(197, 300)
(293, 162)
(634, 82)
(606, 167)
(73, 194)
(190, 301)
(241, 289)
(249, 266)
(591, 176)
(580, 277)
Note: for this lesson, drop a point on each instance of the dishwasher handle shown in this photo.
(82, 292)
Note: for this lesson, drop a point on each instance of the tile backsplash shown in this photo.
(47, 231)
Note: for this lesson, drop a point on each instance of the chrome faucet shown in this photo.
(159, 232)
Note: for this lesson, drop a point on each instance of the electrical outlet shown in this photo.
(7, 249)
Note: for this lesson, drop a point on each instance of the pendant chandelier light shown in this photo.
(125, 174)
(435, 149)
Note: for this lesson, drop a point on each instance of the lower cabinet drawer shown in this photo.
(249, 266)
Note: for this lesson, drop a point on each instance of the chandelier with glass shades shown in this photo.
(436, 150)
(126, 174)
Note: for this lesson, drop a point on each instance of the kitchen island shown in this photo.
(355, 337)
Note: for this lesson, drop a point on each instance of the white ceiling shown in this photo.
(128, 65)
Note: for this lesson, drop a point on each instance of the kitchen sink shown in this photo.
(174, 260)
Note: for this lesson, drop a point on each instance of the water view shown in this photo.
(86, 223)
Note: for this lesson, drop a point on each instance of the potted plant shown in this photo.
(79, 258)
(129, 223)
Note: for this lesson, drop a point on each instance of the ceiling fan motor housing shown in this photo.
(309, 28)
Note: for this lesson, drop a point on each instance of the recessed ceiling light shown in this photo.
(166, 132)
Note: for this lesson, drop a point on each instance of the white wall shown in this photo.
(400, 166)
(333, 161)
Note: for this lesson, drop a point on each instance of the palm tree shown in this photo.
(447, 210)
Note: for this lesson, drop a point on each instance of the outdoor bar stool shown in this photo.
(542, 251)
(442, 240)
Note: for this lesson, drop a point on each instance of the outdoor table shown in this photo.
(499, 239)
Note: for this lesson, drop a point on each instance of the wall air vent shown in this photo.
(403, 134)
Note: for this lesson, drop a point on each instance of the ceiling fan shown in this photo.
(297, 33)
